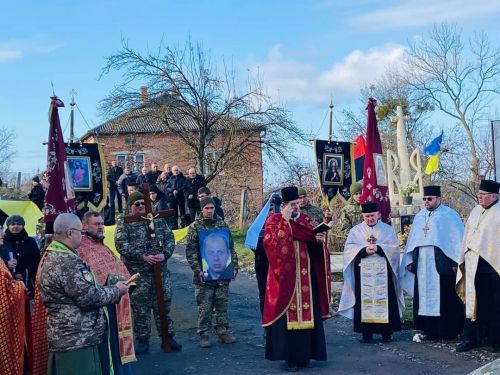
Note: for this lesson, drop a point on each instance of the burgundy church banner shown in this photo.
(336, 168)
(87, 173)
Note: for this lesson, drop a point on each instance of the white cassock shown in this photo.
(481, 239)
(357, 240)
(442, 228)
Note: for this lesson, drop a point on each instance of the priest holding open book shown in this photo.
(298, 286)
(371, 295)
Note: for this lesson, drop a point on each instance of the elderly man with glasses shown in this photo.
(429, 266)
(140, 254)
(76, 322)
(478, 278)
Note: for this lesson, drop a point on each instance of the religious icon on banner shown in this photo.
(380, 171)
(336, 168)
(216, 254)
(87, 174)
(333, 174)
(79, 167)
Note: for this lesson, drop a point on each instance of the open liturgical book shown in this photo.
(323, 227)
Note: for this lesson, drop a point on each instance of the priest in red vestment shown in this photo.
(298, 286)
(107, 266)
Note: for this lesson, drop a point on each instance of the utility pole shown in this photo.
(72, 116)
(330, 129)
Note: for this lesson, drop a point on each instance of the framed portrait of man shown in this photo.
(215, 249)
(80, 172)
(333, 169)
(380, 172)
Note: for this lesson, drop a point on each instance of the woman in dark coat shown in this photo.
(20, 252)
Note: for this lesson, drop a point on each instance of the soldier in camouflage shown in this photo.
(307, 208)
(139, 255)
(210, 295)
(75, 319)
(350, 215)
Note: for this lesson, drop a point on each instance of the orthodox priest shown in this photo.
(428, 268)
(371, 295)
(478, 276)
(108, 269)
(298, 286)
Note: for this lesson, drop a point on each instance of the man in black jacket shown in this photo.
(127, 178)
(193, 183)
(176, 193)
(37, 194)
(114, 173)
(154, 174)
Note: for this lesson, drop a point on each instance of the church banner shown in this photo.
(335, 168)
(88, 174)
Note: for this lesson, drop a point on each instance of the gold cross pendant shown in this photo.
(425, 229)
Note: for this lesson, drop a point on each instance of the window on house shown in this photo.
(211, 155)
(134, 161)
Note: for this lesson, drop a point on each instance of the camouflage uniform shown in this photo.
(313, 212)
(75, 318)
(212, 294)
(132, 242)
(350, 216)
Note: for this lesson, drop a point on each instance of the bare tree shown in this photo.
(460, 82)
(202, 102)
(7, 138)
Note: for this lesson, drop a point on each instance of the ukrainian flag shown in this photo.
(433, 149)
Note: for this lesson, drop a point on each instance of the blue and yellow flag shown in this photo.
(433, 149)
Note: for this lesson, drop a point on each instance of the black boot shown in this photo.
(367, 338)
(386, 338)
(141, 346)
(466, 345)
(290, 366)
(174, 345)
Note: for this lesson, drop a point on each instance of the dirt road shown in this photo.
(345, 354)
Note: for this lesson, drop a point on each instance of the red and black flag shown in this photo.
(59, 194)
(375, 186)
(359, 156)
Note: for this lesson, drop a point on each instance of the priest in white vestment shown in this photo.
(371, 295)
(429, 268)
(478, 276)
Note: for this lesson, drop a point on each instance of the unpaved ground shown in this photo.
(345, 354)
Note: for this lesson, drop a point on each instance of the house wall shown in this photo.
(168, 148)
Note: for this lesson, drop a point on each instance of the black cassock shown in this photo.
(394, 319)
(451, 320)
(300, 345)
(486, 328)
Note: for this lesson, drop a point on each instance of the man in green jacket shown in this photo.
(211, 255)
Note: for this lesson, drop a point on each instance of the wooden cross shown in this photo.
(148, 218)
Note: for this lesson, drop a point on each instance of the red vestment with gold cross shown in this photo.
(102, 262)
(291, 266)
(12, 323)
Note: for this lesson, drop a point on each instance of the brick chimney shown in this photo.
(143, 94)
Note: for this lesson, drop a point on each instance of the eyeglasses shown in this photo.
(428, 199)
(138, 204)
(77, 230)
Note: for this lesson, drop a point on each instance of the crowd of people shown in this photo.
(173, 189)
(91, 310)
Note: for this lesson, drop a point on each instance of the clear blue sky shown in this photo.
(304, 50)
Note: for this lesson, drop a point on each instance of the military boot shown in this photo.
(204, 341)
(227, 338)
(174, 345)
(142, 346)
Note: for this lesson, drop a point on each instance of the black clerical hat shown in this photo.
(489, 186)
(432, 191)
(369, 207)
(289, 193)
